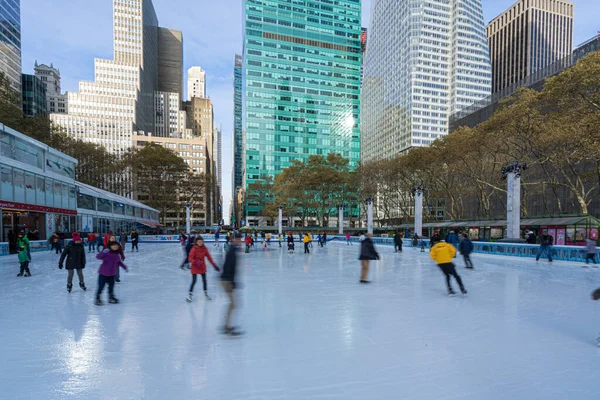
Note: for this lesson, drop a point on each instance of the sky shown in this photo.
(71, 33)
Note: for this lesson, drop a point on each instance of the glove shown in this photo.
(196, 263)
(60, 266)
(217, 269)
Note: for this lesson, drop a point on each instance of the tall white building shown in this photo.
(55, 99)
(196, 83)
(425, 60)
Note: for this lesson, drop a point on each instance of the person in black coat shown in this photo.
(466, 248)
(229, 284)
(75, 255)
(191, 241)
(135, 237)
(367, 253)
(397, 242)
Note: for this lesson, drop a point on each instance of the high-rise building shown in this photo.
(437, 63)
(122, 98)
(301, 84)
(33, 93)
(170, 61)
(363, 50)
(196, 83)
(238, 141)
(56, 101)
(218, 160)
(527, 37)
(10, 41)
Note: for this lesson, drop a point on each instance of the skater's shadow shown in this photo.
(75, 315)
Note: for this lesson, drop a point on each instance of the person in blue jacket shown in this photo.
(466, 248)
(452, 239)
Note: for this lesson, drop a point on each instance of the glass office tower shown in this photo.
(301, 83)
(10, 41)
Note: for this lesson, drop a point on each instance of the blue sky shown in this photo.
(71, 33)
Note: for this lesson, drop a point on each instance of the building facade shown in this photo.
(425, 60)
(56, 101)
(10, 41)
(238, 142)
(363, 50)
(33, 93)
(301, 84)
(196, 83)
(527, 37)
(170, 62)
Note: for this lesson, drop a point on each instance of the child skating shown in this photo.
(74, 252)
(23, 255)
(443, 253)
(111, 261)
(197, 257)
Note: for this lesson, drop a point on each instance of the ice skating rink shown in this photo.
(526, 330)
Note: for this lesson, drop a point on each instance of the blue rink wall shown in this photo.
(564, 253)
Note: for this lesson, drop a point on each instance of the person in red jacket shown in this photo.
(106, 237)
(91, 240)
(197, 259)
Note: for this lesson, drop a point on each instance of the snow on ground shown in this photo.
(526, 330)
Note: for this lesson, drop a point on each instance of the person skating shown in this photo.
(123, 240)
(443, 253)
(367, 253)
(113, 238)
(197, 257)
(397, 242)
(99, 243)
(91, 241)
(319, 239)
(229, 285)
(452, 239)
(324, 239)
(466, 248)
(111, 261)
(531, 238)
(590, 246)
(307, 239)
(348, 241)
(135, 238)
(55, 243)
(280, 239)
(191, 241)
(23, 252)
(415, 241)
(290, 243)
(545, 247)
(248, 243)
(217, 237)
(75, 254)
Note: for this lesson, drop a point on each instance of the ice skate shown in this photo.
(207, 296)
(364, 281)
(232, 331)
(451, 293)
(82, 286)
(113, 300)
(98, 301)
(464, 292)
(69, 287)
(117, 280)
(27, 273)
(20, 274)
(189, 298)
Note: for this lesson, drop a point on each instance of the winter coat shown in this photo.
(106, 239)
(135, 237)
(531, 239)
(307, 239)
(415, 241)
(75, 255)
(442, 252)
(123, 238)
(452, 239)
(111, 261)
(347, 236)
(190, 244)
(546, 240)
(466, 246)
(53, 239)
(398, 239)
(590, 246)
(248, 241)
(91, 238)
(196, 258)
(367, 250)
(24, 241)
(290, 239)
(230, 264)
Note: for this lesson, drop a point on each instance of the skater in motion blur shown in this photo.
(443, 253)
(348, 241)
(367, 253)
(228, 284)
(23, 254)
(111, 261)
(466, 248)
(596, 296)
(397, 242)
(590, 246)
(113, 238)
(188, 245)
(197, 258)
(75, 254)
(546, 242)
(135, 238)
(290, 243)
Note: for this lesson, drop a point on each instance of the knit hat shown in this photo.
(112, 243)
(76, 237)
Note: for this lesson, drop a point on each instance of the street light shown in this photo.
(513, 167)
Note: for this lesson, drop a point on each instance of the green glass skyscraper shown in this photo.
(301, 83)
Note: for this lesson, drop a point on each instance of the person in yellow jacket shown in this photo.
(307, 239)
(443, 253)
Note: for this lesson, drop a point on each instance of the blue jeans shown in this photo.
(91, 246)
(542, 249)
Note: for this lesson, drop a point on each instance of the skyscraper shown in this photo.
(363, 50)
(34, 96)
(527, 37)
(196, 83)
(170, 61)
(425, 60)
(301, 84)
(10, 41)
(122, 98)
(238, 140)
(56, 101)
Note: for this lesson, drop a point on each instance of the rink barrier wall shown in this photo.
(563, 253)
(34, 245)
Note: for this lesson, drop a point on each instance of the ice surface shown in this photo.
(526, 331)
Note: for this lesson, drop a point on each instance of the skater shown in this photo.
(123, 240)
(545, 246)
(135, 237)
(320, 240)
(530, 237)
(280, 239)
(106, 239)
(99, 243)
(422, 245)
(443, 253)
(307, 239)
(111, 261)
(348, 241)
(290, 243)
(75, 254)
(466, 248)
(191, 241)
(361, 237)
(590, 246)
(23, 254)
(268, 239)
(452, 239)
(415, 241)
(248, 243)
(91, 241)
(229, 285)
(324, 239)
(367, 253)
(113, 238)
(217, 237)
(197, 255)
(397, 242)
(55, 243)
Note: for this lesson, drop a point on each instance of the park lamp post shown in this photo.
(418, 195)
(188, 218)
(369, 203)
(280, 219)
(341, 208)
(511, 173)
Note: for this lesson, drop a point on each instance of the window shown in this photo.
(40, 190)
(7, 183)
(30, 188)
(86, 201)
(19, 185)
(49, 192)
(104, 205)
